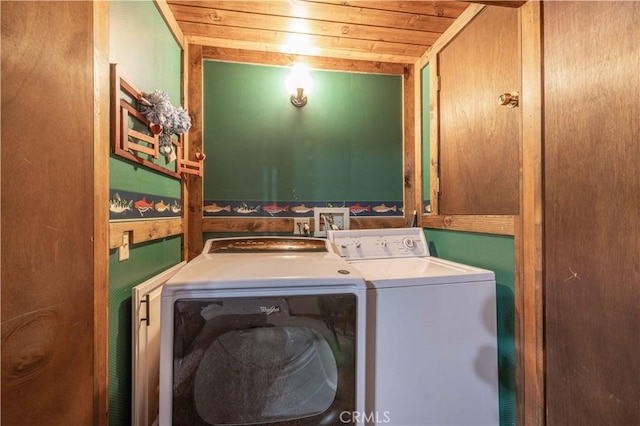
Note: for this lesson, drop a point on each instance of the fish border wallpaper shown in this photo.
(126, 205)
(234, 208)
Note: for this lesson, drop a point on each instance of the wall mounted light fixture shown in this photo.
(299, 84)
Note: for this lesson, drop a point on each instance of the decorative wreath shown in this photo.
(157, 109)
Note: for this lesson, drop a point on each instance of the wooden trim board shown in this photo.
(286, 225)
(499, 225)
(143, 230)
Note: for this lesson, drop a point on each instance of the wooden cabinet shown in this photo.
(479, 139)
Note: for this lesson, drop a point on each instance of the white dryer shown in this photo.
(432, 347)
(263, 330)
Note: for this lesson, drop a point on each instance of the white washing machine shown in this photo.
(263, 330)
(432, 323)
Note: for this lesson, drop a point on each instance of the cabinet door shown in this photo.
(592, 212)
(479, 139)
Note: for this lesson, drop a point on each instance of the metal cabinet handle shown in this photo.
(511, 99)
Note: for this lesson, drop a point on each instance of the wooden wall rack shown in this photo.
(137, 142)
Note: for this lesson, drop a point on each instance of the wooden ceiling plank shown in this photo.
(384, 31)
(330, 12)
(446, 9)
(241, 36)
(305, 26)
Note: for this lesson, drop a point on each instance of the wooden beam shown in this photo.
(365, 50)
(418, 153)
(192, 184)
(500, 225)
(101, 144)
(434, 129)
(283, 59)
(143, 230)
(412, 166)
(285, 225)
(503, 3)
(530, 373)
(170, 21)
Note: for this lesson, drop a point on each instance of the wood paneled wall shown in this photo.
(53, 366)
(592, 212)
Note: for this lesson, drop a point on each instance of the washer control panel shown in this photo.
(363, 244)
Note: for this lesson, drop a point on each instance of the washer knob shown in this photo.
(408, 243)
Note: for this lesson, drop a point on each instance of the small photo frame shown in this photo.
(329, 218)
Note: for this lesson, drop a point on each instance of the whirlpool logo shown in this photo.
(270, 309)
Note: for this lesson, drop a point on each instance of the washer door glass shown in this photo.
(243, 361)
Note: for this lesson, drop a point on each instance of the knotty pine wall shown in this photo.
(54, 125)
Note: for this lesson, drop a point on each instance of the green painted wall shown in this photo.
(146, 261)
(496, 253)
(141, 43)
(345, 144)
(426, 135)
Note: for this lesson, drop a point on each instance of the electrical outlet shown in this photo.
(338, 221)
(328, 218)
(302, 226)
(123, 250)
